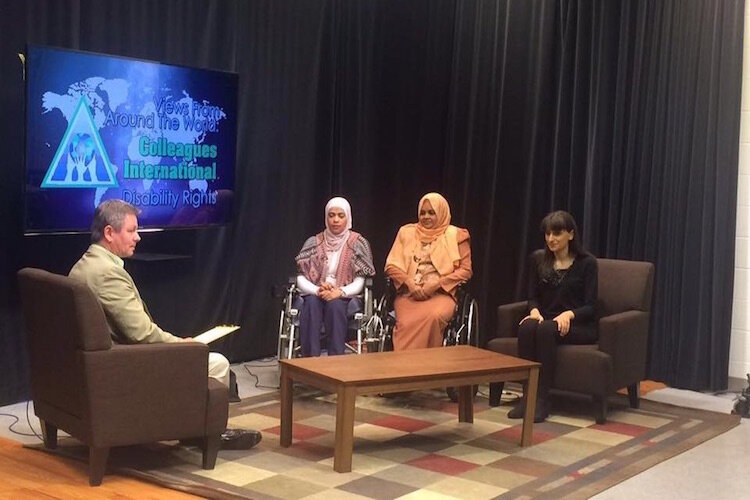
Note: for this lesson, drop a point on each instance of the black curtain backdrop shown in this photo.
(624, 113)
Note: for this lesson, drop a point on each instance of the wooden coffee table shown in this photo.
(384, 372)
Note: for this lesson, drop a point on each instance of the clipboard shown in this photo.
(215, 333)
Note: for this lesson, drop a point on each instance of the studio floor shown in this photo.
(714, 469)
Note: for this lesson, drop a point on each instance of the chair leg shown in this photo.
(601, 409)
(210, 451)
(97, 464)
(634, 395)
(49, 434)
(496, 392)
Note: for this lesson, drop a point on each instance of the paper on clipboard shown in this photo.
(215, 333)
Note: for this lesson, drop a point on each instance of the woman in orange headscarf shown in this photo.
(426, 263)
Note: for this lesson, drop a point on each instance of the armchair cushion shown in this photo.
(583, 368)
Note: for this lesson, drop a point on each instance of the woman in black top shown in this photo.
(562, 303)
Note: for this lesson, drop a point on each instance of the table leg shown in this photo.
(286, 388)
(466, 404)
(528, 417)
(344, 439)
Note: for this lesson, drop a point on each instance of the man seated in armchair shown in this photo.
(114, 236)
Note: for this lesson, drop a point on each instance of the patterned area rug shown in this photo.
(412, 446)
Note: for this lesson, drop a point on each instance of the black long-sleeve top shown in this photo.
(575, 289)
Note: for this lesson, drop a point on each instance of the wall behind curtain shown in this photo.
(624, 113)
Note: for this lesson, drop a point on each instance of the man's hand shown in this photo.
(563, 322)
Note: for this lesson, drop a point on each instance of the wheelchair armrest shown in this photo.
(461, 291)
(508, 317)
(390, 290)
(280, 291)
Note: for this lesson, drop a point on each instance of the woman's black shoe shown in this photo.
(518, 410)
(541, 412)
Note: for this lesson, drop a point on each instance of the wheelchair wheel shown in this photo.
(472, 324)
(466, 333)
(386, 342)
(386, 323)
(288, 342)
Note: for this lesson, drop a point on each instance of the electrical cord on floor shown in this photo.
(510, 396)
(725, 392)
(16, 420)
(269, 361)
(247, 366)
(507, 396)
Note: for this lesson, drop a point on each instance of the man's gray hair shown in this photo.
(110, 213)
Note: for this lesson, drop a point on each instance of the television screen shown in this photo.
(158, 136)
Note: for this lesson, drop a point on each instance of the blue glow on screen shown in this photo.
(161, 137)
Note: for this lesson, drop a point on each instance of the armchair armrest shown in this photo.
(147, 390)
(508, 317)
(624, 336)
(217, 412)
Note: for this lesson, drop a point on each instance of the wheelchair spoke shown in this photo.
(472, 336)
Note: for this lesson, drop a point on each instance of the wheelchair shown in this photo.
(462, 329)
(361, 320)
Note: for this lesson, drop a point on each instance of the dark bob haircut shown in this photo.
(554, 222)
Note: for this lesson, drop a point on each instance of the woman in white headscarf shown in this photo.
(332, 267)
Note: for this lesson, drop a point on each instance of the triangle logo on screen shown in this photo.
(81, 160)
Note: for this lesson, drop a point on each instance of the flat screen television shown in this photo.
(159, 136)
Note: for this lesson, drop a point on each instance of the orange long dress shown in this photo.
(421, 323)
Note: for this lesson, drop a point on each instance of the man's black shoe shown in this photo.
(239, 439)
(231, 439)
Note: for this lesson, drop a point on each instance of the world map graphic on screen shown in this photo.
(160, 137)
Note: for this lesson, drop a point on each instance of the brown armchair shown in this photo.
(106, 394)
(619, 358)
